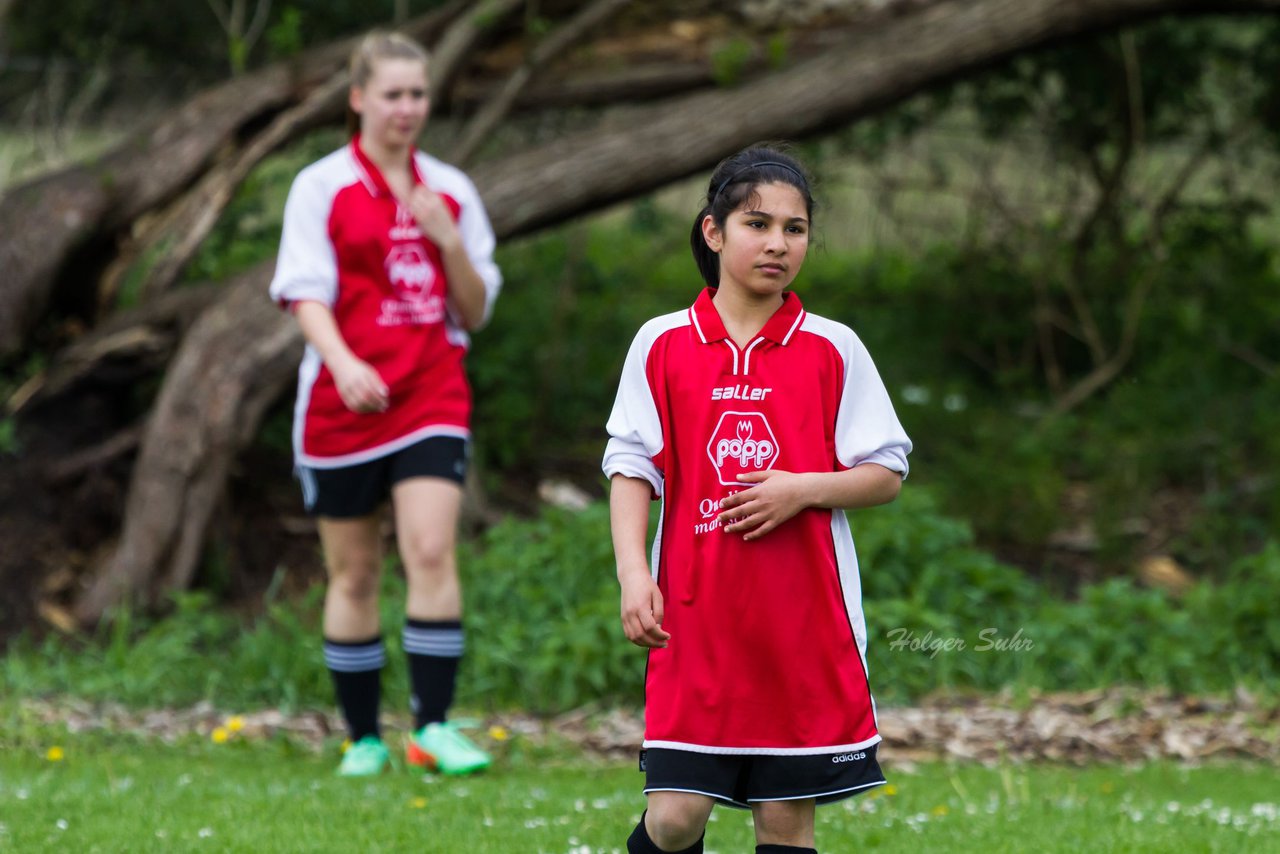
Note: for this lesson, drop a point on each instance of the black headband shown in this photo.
(727, 181)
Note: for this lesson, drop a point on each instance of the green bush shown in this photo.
(543, 630)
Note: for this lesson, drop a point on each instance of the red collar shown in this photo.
(778, 329)
(371, 175)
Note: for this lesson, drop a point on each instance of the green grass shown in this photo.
(126, 795)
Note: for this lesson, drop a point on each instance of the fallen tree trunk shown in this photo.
(234, 362)
(205, 415)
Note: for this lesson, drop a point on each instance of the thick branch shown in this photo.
(559, 41)
(455, 45)
(180, 232)
(143, 338)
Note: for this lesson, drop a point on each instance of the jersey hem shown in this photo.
(382, 450)
(761, 751)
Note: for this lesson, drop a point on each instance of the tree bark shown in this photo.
(494, 110)
(232, 365)
(239, 356)
(137, 343)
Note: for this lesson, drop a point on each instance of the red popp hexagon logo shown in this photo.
(742, 442)
(411, 273)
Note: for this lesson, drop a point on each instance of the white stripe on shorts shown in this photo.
(310, 490)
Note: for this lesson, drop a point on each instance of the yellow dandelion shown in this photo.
(891, 790)
(235, 723)
(940, 810)
(499, 733)
(220, 735)
(346, 745)
(418, 803)
(55, 754)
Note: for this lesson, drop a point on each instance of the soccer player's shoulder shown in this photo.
(838, 334)
(656, 327)
(336, 169)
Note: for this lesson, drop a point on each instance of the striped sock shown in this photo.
(356, 669)
(434, 648)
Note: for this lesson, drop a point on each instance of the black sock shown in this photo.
(356, 669)
(434, 648)
(770, 848)
(640, 843)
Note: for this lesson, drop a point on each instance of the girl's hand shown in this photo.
(642, 609)
(433, 217)
(360, 386)
(775, 497)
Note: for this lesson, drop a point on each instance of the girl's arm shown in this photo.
(641, 599)
(466, 287)
(359, 385)
(773, 496)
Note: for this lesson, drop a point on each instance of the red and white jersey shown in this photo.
(348, 243)
(768, 641)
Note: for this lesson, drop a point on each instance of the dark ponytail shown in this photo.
(734, 182)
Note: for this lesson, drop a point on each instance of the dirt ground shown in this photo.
(58, 522)
(1105, 725)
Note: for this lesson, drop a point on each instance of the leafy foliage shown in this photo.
(543, 630)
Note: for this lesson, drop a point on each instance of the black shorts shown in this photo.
(353, 491)
(739, 780)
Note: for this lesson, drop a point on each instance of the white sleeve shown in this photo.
(635, 429)
(867, 428)
(478, 239)
(307, 266)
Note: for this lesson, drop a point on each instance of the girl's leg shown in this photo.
(353, 646)
(427, 510)
(788, 824)
(674, 822)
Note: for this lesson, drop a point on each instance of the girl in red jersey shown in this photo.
(755, 424)
(386, 260)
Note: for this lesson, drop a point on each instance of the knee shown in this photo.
(674, 825)
(785, 823)
(426, 556)
(355, 577)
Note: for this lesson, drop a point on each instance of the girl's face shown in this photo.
(763, 242)
(393, 103)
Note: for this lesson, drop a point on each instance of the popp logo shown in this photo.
(411, 273)
(742, 442)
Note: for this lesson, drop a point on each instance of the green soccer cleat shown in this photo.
(440, 747)
(366, 758)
